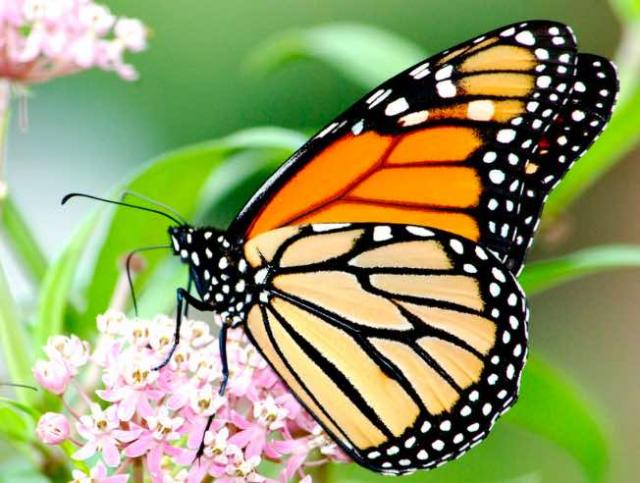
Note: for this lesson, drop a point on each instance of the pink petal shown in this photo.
(242, 438)
(115, 479)
(110, 453)
(293, 464)
(256, 444)
(127, 436)
(144, 408)
(139, 447)
(239, 420)
(99, 470)
(127, 407)
(87, 451)
(153, 462)
(197, 473)
(178, 400)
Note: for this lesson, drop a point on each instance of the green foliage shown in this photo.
(628, 10)
(23, 241)
(553, 408)
(363, 54)
(14, 426)
(55, 295)
(545, 274)
(14, 339)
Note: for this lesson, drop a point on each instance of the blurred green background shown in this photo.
(89, 132)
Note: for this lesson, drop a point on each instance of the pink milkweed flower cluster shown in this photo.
(125, 415)
(43, 39)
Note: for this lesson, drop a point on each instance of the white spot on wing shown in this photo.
(414, 118)
(327, 130)
(382, 233)
(396, 107)
(482, 110)
(506, 135)
(444, 73)
(329, 227)
(421, 71)
(446, 89)
(377, 97)
(420, 231)
(525, 38)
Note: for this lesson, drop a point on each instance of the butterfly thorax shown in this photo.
(218, 269)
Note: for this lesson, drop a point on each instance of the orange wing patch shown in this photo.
(498, 84)
(362, 211)
(438, 144)
(331, 171)
(374, 178)
(452, 187)
(494, 58)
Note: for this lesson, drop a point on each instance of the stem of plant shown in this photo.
(138, 471)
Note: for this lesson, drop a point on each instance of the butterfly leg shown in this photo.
(223, 358)
(225, 378)
(189, 285)
(183, 298)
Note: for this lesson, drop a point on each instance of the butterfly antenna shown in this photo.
(130, 256)
(159, 204)
(121, 203)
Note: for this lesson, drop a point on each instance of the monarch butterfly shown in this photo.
(376, 269)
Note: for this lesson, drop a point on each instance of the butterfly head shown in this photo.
(217, 268)
(197, 246)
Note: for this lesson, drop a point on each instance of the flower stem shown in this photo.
(138, 471)
(321, 474)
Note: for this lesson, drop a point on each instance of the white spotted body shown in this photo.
(222, 276)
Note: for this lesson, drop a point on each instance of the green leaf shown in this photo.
(545, 274)
(13, 426)
(23, 241)
(627, 10)
(25, 408)
(21, 470)
(177, 179)
(236, 181)
(365, 55)
(54, 298)
(620, 136)
(14, 340)
(551, 407)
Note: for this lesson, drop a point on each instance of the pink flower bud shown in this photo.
(52, 375)
(53, 428)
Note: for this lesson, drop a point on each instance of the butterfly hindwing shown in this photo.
(576, 127)
(405, 343)
(443, 144)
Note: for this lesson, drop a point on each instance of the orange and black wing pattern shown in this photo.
(574, 129)
(443, 144)
(405, 343)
